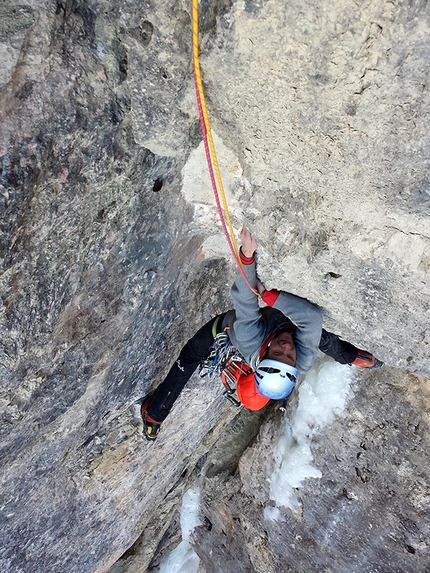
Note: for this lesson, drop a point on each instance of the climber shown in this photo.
(278, 342)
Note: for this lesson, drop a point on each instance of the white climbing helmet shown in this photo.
(275, 379)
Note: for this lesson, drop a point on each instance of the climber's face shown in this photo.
(283, 349)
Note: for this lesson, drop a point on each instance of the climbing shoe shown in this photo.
(150, 429)
(150, 426)
(367, 360)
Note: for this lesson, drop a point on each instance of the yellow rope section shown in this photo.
(198, 77)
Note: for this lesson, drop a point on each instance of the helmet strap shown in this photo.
(265, 346)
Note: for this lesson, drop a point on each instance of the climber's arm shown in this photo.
(308, 319)
(247, 326)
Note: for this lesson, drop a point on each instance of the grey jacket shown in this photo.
(251, 325)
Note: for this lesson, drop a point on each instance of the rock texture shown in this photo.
(369, 512)
(111, 256)
(326, 106)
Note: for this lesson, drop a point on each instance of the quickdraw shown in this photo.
(221, 352)
(233, 370)
(225, 361)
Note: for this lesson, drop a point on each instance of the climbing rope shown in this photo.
(211, 157)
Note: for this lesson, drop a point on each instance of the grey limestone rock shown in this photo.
(111, 256)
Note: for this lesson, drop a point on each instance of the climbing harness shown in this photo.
(211, 156)
(227, 362)
(220, 363)
(221, 351)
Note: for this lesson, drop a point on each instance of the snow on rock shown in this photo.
(183, 559)
(322, 396)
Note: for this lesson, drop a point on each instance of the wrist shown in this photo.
(246, 259)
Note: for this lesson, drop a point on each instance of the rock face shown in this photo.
(112, 255)
(368, 512)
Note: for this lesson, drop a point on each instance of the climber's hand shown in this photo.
(249, 243)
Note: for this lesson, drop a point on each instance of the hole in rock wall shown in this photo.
(158, 184)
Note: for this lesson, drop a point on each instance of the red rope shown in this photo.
(214, 186)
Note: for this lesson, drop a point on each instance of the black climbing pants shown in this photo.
(193, 353)
(198, 349)
(341, 350)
